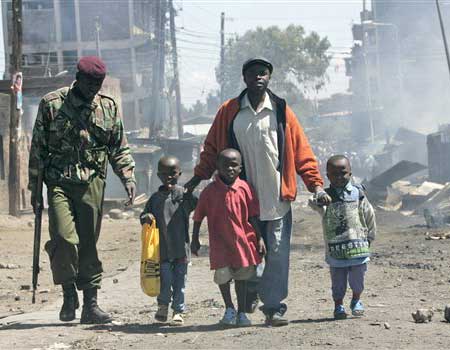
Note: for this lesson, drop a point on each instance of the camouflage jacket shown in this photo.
(73, 140)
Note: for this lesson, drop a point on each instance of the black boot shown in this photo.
(70, 304)
(91, 313)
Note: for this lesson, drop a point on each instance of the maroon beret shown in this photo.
(92, 66)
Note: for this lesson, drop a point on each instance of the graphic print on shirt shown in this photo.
(346, 236)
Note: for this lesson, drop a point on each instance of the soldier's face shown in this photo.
(88, 86)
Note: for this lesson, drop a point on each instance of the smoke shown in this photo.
(414, 80)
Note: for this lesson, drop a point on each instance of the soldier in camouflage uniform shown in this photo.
(77, 131)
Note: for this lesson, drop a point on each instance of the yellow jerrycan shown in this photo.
(150, 281)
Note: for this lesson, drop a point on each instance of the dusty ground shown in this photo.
(407, 272)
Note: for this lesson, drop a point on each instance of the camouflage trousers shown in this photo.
(75, 213)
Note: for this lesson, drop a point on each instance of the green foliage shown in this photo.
(300, 61)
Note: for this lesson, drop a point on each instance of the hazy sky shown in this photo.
(199, 40)
(331, 18)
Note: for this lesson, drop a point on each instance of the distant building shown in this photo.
(439, 154)
(398, 68)
(56, 33)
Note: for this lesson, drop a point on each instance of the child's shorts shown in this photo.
(225, 274)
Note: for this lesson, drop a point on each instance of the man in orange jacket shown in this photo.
(274, 149)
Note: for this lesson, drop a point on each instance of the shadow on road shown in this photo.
(315, 320)
(26, 326)
(162, 328)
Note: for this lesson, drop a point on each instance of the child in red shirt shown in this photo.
(235, 243)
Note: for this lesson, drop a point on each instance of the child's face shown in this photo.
(169, 175)
(229, 167)
(339, 173)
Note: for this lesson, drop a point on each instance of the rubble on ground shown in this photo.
(437, 235)
(422, 315)
(447, 313)
(116, 214)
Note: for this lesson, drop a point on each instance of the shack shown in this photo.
(438, 145)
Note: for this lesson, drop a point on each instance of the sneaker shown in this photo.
(242, 320)
(161, 314)
(339, 313)
(177, 319)
(229, 318)
(276, 320)
(357, 308)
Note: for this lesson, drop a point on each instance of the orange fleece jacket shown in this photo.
(298, 155)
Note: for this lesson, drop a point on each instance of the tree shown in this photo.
(300, 61)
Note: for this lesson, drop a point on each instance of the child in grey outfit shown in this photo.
(349, 228)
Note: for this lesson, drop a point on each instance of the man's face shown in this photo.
(88, 86)
(169, 174)
(257, 77)
(339, 172)
(229, 167)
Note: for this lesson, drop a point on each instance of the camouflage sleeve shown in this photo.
(39, 148)
(120, 155)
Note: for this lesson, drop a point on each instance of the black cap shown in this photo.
(255, 60)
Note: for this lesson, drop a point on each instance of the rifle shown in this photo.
(38, 207)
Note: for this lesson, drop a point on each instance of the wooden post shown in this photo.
(176, 76)
(222, 56)
(156, 107)
(14, 124)
(162, 68)
(97, 36)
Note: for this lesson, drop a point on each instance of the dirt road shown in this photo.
(406, 272)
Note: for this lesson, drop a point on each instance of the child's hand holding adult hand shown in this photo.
(322, 197)
(261, 247)
(195, 246)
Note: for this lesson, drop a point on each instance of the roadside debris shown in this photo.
(397, 172)
(447, 313)
(422, 315)
(9, 266)
(116, 214)
(437, 235)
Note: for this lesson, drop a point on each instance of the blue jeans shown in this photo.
(273, 285)
(173, 280)
(353, 274)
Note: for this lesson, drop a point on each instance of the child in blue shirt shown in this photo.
(349, 228)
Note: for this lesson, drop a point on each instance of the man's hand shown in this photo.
(192, 183)
(130, 187)
(195, 246)
(321, 196)
(147, 219)
(261, 247)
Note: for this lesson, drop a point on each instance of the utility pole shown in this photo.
(158, 75)
(367, 73)
(97, 35)
(14, 124)
(176, 77)
(222, 56)
(155, 66)
(162, 66)
(444, 36)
